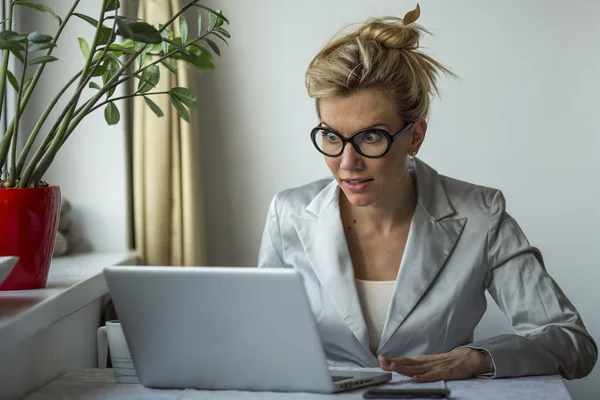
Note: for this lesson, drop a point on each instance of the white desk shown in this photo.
(98, 384)
(46, 332)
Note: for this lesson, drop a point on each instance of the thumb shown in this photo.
(384, 362)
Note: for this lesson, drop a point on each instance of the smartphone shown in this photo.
(412, 393)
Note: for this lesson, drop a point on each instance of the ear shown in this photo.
(417, 136)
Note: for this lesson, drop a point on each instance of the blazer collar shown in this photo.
(322, 236)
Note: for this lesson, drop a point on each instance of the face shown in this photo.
(368, 181)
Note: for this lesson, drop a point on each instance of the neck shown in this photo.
(394, 209)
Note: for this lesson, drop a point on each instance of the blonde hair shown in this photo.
(382, 53)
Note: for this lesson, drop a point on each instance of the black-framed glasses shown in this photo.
(371, 142)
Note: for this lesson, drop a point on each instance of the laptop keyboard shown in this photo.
(340, 378)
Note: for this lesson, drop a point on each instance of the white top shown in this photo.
(375, 298)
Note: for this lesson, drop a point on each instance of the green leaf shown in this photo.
(156, 47)
(39, 7)
(100, 70)
(112, 68)
(13, 80)
(142, 57)
(85, 48)
(151, 74)
(138, 31)
(223, 32)
(183, 28)
(213, 46)
(90, 20)
(115, 56)
(218, 22)
(94, 85)
(18, 54)
(210, 22)
(202, 57)
(42, 60)
(212, 11)
(199, 22)
(178, 45)
(40, 46)
(181, 110)
(105, 36)
(154, 107)
(111, 114)
(36, 37)
(123, 28)
(168, 66)
(10, 45)
(12, 36)
(166, 34)
(142, 79)
(185, 95)
(112, 5)
(220, 37)
(127, 46)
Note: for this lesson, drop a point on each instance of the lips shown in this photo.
(357, 181)
(357, 185)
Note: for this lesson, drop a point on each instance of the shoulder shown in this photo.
(298, 198)
(468, 198)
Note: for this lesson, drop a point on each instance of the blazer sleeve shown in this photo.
(270, 254)
(550, 335)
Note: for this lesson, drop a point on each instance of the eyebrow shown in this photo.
(375, 125)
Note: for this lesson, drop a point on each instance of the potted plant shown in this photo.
(122, 50)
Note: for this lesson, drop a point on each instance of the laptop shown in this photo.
(225, 328)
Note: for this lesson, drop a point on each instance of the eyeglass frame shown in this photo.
(390, 139)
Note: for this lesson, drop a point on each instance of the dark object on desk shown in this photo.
(413, 393)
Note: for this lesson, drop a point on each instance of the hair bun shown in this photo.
(391, 33)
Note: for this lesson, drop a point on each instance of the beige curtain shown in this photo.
(168, 210)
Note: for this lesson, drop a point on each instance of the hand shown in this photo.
(461, 363)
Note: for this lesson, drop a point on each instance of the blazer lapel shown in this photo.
(432, 237)
(322, 235)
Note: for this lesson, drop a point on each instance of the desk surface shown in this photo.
(74, 281)
(96, 384)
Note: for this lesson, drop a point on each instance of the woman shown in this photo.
(395, 257)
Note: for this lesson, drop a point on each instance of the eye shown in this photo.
(372, 137)
(331, 137)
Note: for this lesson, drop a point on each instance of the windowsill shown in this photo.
(73, 282)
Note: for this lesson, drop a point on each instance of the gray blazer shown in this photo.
(461, 242)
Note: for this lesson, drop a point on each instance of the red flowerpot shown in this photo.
(28, 225)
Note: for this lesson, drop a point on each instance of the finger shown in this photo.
(411, 370)
(384, 363)
(406, 361)
(432, 376)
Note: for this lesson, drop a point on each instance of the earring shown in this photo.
(413, 153)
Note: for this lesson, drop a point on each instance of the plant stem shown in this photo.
(68, 111)
(5, 142)
(38, 126)
(124, 97)
(12, 176)
(4, 68)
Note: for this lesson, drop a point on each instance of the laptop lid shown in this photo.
(219, 328)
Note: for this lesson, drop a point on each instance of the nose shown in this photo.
(350, 159)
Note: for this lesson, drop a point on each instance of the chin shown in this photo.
(360, 199)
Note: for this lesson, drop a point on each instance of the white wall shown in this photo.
(90, 168)
(524, 117)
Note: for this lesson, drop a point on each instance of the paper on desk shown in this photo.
(397, 379)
